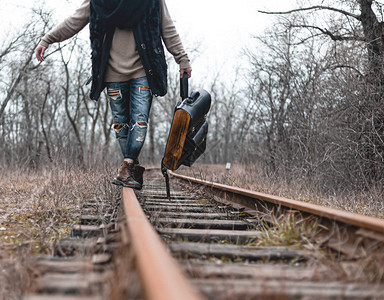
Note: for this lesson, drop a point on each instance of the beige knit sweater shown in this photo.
(124, 61)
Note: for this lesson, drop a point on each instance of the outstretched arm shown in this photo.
(65, 30)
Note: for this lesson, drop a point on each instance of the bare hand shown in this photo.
(187, 70)
(40, 50)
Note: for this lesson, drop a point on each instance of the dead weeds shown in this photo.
(369, 202)
(37, 209)
(293, 230)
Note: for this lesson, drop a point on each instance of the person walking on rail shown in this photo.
(128, 59)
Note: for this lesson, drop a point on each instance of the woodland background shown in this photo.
(309, 108)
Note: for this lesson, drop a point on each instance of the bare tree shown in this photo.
(358, 23)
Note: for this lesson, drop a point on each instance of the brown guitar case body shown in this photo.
(187, 136)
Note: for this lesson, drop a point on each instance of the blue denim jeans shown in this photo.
(130, 104)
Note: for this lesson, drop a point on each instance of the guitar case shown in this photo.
(187, 138)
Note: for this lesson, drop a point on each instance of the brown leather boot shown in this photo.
(126, 176)
(138, 174)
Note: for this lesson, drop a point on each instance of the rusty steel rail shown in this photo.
(249, 199)
(160, 275)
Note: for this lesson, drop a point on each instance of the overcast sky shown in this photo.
(223, 27)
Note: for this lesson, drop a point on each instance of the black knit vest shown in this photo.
(149, 45)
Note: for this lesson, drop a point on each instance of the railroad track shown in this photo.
(226, 243)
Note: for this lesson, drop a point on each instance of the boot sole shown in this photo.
(132, 186)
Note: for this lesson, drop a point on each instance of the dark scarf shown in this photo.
(120, 13)
(104, 17)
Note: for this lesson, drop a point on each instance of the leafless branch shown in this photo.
(316, 7)
(341, 66)
(333, 36)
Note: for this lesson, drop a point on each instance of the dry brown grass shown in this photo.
(36, 210)
(369, 202)
(291, 230)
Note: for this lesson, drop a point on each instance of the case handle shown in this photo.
(184, 86)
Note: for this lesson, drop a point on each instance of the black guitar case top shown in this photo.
(187, 136)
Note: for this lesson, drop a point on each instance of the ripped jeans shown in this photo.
(130, 102)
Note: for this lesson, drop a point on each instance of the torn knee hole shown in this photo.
(117, 126)
(139, 124)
